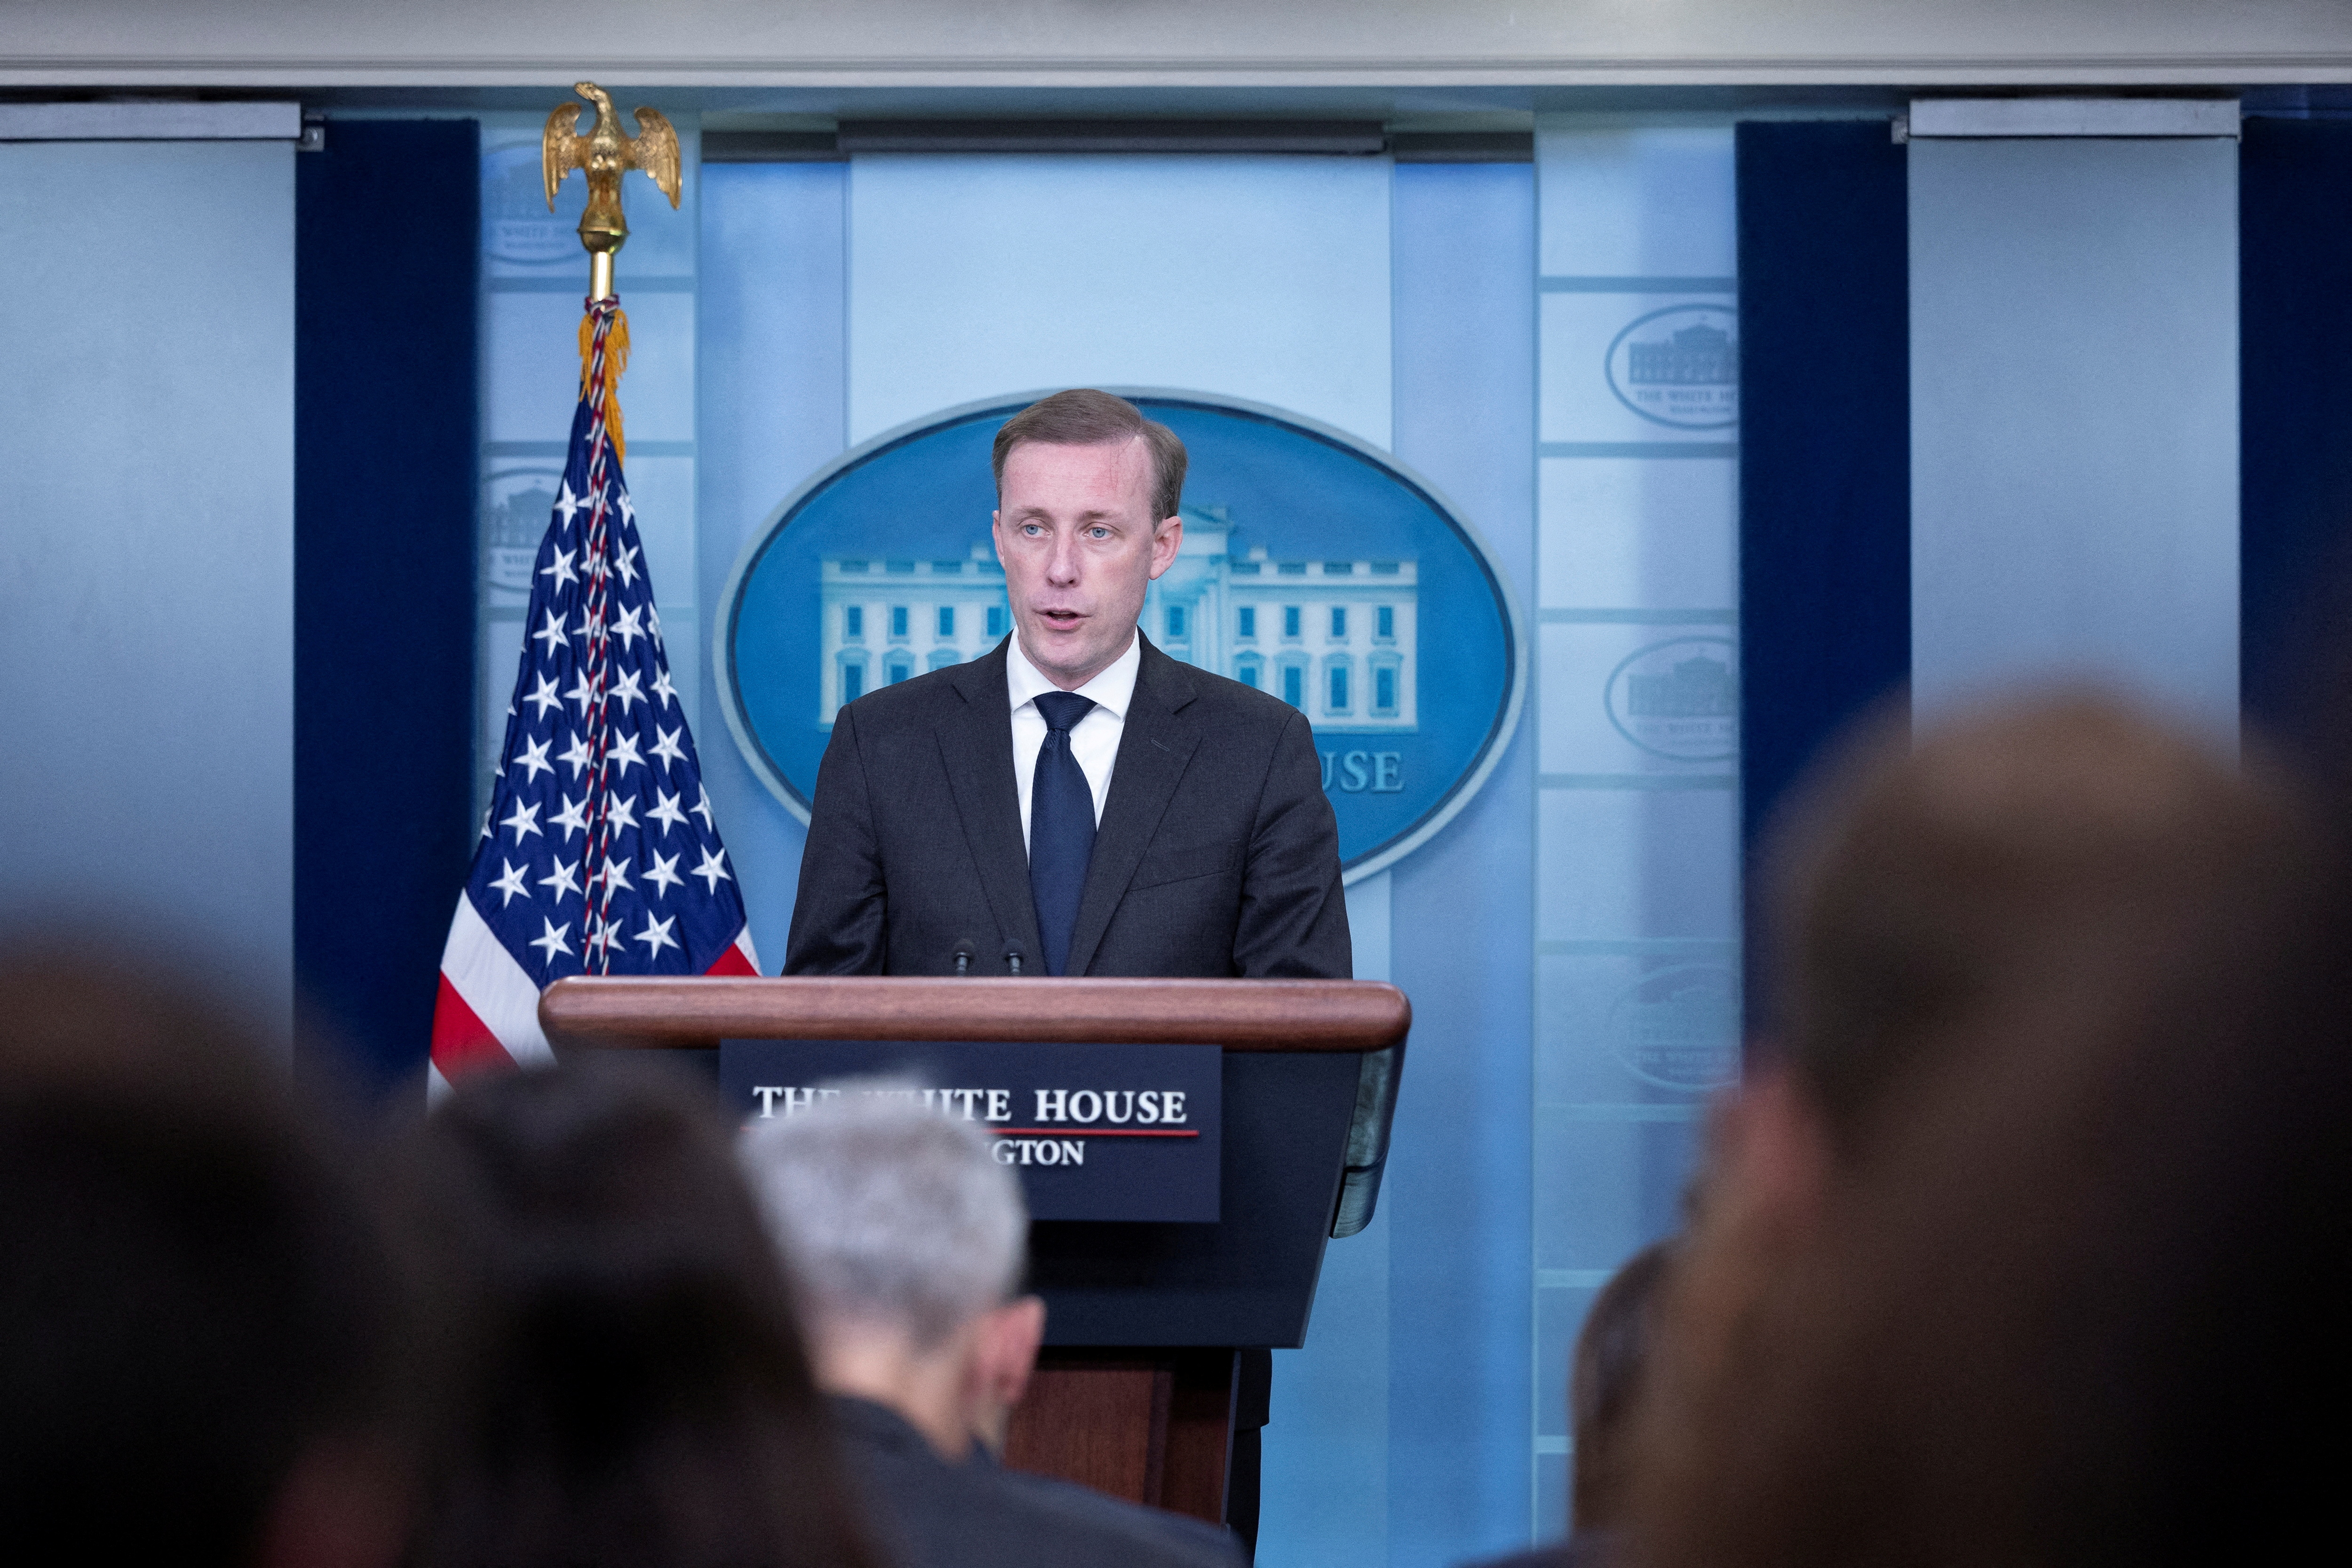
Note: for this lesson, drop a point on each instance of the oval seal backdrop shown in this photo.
(1314, 567)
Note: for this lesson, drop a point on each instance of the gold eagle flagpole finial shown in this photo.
(605, 155)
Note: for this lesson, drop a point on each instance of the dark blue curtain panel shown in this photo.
(387, 231)
(1825, 449)
(2295, 303)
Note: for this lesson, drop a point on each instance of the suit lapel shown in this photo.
(1154, 746)
(976, 747)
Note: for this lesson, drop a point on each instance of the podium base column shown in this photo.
(1172, 1428)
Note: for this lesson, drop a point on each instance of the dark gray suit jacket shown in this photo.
(1217, 854)
(928, 1513)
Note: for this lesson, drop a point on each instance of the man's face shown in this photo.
(1079, 545)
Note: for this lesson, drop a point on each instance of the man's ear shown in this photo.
(1007, 1352)
(1166, 541)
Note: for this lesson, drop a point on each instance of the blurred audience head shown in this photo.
(1916, 892)
(1612, 1351)
(1920, 888)
(623, 1382)
(197, 1316)
(2058, 1002)
(907, 1243)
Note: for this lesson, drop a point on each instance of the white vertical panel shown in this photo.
(2074, 419)
(147, 546)
(1258, 277)
(1626, 202)
(1637, 834)
(1635, 531)
(770, 408)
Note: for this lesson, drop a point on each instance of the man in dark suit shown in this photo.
(1075, 801)
(904, 1240)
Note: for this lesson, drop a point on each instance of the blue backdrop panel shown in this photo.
(2295, 259)
(1825, 443)
(1457, 1195)
(771, 407)
(387, 222)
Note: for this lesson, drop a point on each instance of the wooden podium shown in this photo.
(1155, 1334)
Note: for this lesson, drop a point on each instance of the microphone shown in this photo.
(1012, 956)
(966, 950)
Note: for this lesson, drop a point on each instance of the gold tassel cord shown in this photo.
(616, 360)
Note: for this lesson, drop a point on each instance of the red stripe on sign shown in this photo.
(732, 962)
(462, 1042)
(1096, 1132)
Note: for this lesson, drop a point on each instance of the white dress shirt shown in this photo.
(1094, 739)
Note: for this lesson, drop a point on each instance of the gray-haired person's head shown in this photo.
(889, 1212)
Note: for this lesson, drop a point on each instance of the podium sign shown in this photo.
(1094, 1131)
(1305, 1096)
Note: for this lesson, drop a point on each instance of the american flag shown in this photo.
(599, 856)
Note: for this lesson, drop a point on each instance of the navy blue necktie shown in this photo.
(1061, 826)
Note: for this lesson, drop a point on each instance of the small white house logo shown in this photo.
(1679, 366)
(1679, 1028)
(1679, 698)
(516, 226)
(515, 505)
